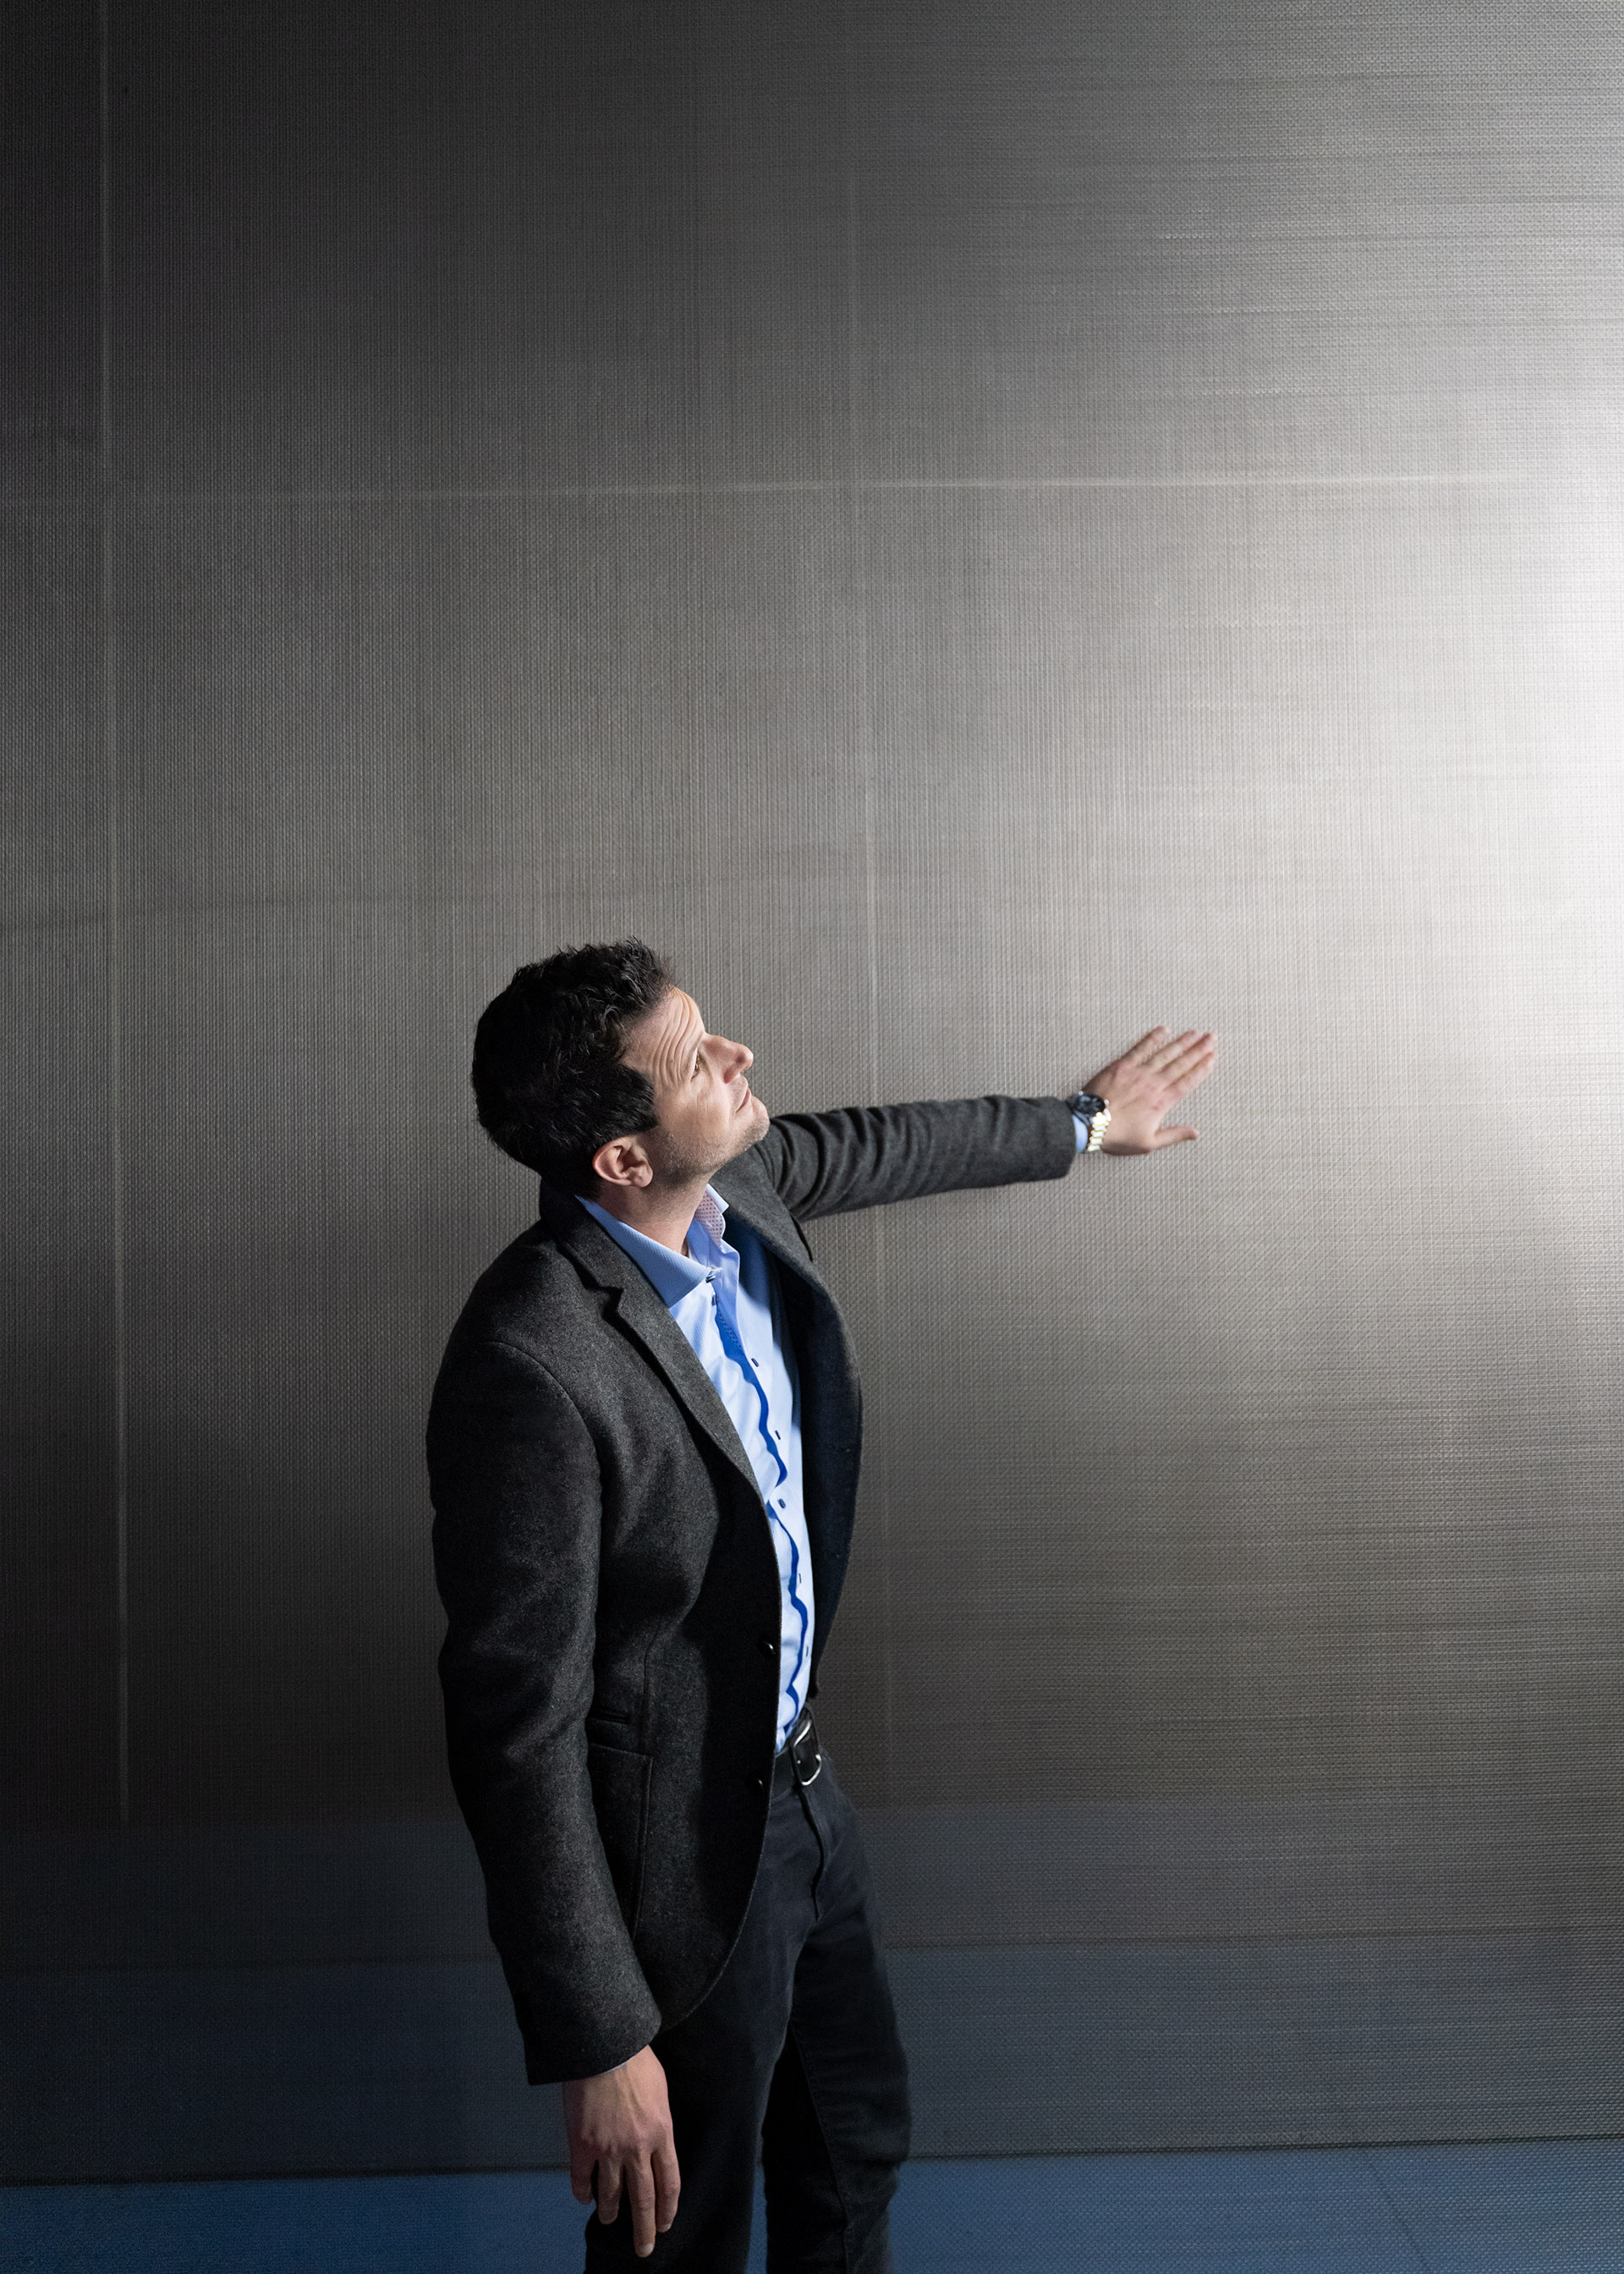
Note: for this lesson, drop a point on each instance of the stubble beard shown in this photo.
(685, 1170)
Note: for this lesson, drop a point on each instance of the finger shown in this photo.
(608, 2192)
(640, 2188)
(1176, 1048)
(581, 2169)
(668, 2187)
(1163, 1138)
(1141, 1049)
(1177, 1075)
(1183, 1075)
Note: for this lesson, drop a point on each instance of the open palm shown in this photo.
(1144, 1085)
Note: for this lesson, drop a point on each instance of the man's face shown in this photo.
(708, 1113)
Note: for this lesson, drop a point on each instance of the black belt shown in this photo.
(801, 1760)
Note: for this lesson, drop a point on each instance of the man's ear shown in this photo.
(623, 1161)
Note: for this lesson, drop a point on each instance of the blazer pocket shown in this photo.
(621, 1803)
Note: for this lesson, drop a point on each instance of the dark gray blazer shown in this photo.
(611, 1666)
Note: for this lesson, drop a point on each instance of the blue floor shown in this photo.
(1491, 2210)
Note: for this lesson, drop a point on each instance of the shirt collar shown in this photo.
(673, 1275)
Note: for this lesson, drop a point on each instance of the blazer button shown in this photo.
(768, 1647)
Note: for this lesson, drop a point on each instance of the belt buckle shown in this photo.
(798, 1740)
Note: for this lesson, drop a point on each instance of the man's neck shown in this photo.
(659, 1212)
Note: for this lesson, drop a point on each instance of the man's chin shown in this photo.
(749, 1124)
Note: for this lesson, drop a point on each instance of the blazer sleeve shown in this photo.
(514, 1480)
(864, 1156)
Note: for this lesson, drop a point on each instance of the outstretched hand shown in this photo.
(1146, 1082)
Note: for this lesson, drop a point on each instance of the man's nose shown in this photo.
(743, 1057)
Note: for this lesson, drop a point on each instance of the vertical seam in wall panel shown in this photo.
(856, 534)
(115, 1035)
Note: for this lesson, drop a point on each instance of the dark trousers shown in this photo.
(793, 2061)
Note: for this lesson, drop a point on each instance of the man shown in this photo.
(643, 1451)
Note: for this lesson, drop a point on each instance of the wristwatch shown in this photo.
(1095, 1111)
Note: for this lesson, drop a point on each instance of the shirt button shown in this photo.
(769, 1646)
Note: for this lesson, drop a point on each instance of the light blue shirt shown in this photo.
(725, 1300)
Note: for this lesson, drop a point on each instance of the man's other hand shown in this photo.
(1146, 1082)
(621, 2122)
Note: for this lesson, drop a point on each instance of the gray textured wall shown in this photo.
(977, 529)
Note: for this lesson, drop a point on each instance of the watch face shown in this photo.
(1085, 1101)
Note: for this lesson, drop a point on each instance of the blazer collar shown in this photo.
(741, 1204)
(632, 1303)
(606, 1264)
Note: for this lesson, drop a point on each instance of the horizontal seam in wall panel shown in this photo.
(1195, 2143)
(1423, 76)
(68, 1972)
(1498, 1931)
(19, 504)
(582, 494)
(1399, 2142)
(1316, 1937)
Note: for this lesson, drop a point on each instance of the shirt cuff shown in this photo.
(1081, 1127)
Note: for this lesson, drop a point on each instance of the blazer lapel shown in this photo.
(789, 1253)
(631, 1303)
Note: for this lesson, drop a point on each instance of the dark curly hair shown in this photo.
(548, 1081)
